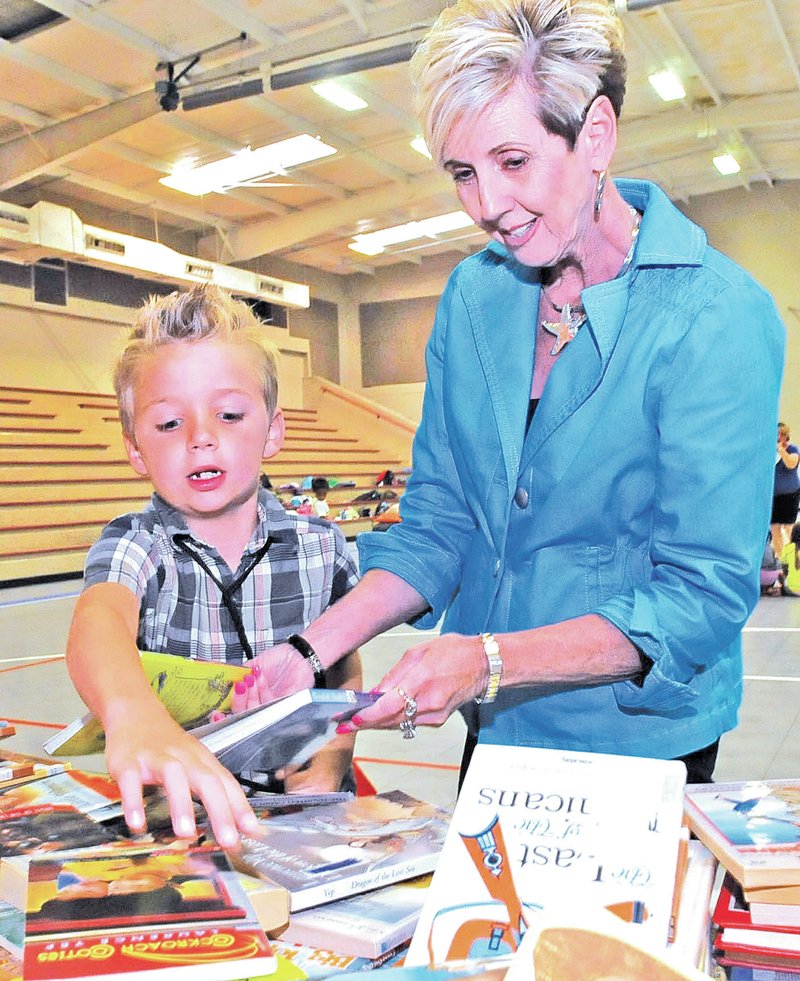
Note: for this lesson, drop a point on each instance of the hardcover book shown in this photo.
(733, 917)
(541, 828)
(326, 853)
(366, 925)
(189, 689)
(753, 828)
(163, 914)
(285, 732)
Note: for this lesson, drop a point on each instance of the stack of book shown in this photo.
(753, 828)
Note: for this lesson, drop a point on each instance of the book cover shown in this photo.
(190, 690)
(10, 966)
(285, 732)
(6, 729)
(12, 929)
(691, 939)
(366, 925)
(753, 828)
(157, 914)
(88, 792)
(535, 828)
(733, 916)
(326, 853)
(300, 961)
(42, 828)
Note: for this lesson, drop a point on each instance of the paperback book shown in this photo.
(299, 961)
(189, 689)
(285, 732)
(21, 767)
(736, 930)
(166, 913)
(43, 828)
(542, 828)
(366, 925)
(326, 853)
(88, 792)
(753, 828)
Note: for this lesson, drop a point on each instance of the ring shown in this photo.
(408, 728)
(409, 725)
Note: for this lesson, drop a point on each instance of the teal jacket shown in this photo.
(641, 492)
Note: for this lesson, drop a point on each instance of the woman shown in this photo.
(570, 511)
(786, 490)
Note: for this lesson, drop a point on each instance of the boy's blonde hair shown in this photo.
(567, 52)
(201, 313)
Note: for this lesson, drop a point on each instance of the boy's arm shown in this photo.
(328, 766)
(144, 745)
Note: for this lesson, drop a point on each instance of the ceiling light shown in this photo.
(726, 164)
(374, 243)
(667, 85)
(248, 165)
(419, 144)
(339, 96)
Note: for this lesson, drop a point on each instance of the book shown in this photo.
(325, 853)
(6, 729)
(300, 961)
(20, 767)
(269, 900)
(42, 828)
(533, 828)
(88, 792)
(285, 732)
(189, 689)
(12, 929)
(777, 895)
(10, 966)
(366, 925)
(753, 828)
(774, 914)
(693, 919)
(163, 914)
(733, 917)
(594, 945)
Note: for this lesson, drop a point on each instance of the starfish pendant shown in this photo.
(565, 328)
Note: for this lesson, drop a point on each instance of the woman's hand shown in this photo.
(277, 672)
(439, 674)
(156, 751)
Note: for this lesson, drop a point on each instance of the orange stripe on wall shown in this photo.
(418, 763)
(31, 664)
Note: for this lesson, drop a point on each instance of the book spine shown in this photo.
(307, 897)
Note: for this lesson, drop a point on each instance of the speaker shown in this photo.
(49, 278)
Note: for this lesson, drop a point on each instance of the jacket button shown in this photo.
(521, 498)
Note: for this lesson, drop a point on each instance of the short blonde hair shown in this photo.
(566, 51)
(204, 312)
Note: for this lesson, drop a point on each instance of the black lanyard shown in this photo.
(228, 591)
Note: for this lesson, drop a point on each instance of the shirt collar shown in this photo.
(273, 522)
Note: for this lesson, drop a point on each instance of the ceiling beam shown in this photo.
(242, 20)
(89, 15)
(37, 152)
(19, 54)
(263, 237)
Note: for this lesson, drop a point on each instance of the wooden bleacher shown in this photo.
(64, 475)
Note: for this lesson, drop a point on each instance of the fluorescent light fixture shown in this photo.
(419, 144)
(374, 243)
(338, 95)
(248, 166)
(726, 164)
(667, 85)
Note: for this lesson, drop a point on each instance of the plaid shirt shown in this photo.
(305, 568)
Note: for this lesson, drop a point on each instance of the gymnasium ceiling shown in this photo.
(81, 126)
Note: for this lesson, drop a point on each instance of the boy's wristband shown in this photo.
(302, 645)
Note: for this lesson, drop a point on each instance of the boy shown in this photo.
(213, 568)
(320, 488)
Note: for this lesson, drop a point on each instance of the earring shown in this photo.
(598, 194)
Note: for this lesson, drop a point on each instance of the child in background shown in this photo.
(213, 568)
(320, 488)
(790, 561)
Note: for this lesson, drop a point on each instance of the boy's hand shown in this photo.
(277, 672)
(157, 751)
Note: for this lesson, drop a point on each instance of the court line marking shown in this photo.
(418, 763)
(771, 630)
(39, 658)
(39, 725)
(38, 599)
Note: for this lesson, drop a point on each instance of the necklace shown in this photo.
(572, 317)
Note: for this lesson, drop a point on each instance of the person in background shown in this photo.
(570, 513)
(790, 562)
(214, 568)
(786, 490)
(320, 488)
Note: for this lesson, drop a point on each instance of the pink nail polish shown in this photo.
(356, 720)
(375, 691)
(249, 681)
(240, 688)
(256, 670)
(344, 729)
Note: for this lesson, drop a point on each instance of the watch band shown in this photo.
(492, 650)
(302, 645)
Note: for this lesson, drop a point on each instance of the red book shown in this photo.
(741, 941)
